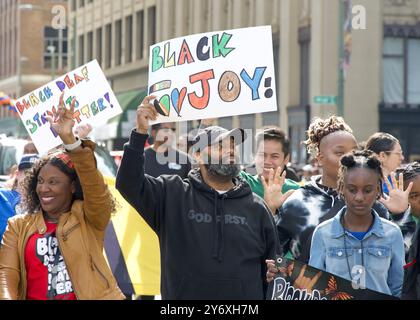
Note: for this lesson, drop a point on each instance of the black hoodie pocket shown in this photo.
(194, 288)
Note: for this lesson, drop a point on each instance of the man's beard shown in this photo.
(224, 170)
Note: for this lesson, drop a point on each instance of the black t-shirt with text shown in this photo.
(171, 162)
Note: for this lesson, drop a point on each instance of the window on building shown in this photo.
(12, 54)
(108, 46)
(305, 46)
(413, 71)
(55, 45)
(151, 25)
(140, 35)
(401, 70)
(2, 47)
(118, 42)
(99, 45)
(225, 122)
(128, 38)
(270, 118)
(73, 5)
(89, 46)
(63, 49)
(81, 49)
(246, 122)
(81, 3)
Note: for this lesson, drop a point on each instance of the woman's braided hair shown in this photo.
(358, 159)
(320, 128)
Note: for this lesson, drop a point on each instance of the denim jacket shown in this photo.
(380, 254)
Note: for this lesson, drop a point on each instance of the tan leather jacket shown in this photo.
(80, 234)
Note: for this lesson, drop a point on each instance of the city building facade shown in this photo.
(32, 52)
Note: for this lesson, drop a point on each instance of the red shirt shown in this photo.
(46, 272)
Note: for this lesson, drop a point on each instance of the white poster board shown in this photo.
(216, 74)
(95, 103)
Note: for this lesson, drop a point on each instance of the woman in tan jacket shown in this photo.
(55, 251)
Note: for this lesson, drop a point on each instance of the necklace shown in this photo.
(345, 249)
(347, 257)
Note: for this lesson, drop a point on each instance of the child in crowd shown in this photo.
(357, 244)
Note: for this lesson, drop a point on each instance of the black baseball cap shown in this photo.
(214, 134)
(27, 161)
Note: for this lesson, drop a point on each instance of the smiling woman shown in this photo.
(389, 151)
(55, 250)
(52, 186)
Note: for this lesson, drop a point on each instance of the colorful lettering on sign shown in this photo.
(201, 54)
(185, 54)
(254, 82)
(177, 98)
(229, 89)
(219, 48)
(69, 82)
(85, 112)
(169, 61)
(157, 60)
(34, 99)
(161, 85)
(202, 77)
(229, 86)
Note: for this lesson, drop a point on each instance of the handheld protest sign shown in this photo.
(212, 75)
(95, 104)
(299, 281)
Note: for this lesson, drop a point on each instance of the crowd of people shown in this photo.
(353, 210)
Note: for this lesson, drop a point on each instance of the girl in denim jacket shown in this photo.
(357, 244)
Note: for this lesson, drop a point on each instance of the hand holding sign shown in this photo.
(95, 104)
(272, 270)
(63, 121)
(145, 112)
(212, 75)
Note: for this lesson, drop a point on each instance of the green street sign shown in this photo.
(325, 100)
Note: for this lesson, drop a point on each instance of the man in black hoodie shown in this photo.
(214, 233)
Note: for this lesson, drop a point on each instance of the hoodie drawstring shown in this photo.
(215, 233)
(222, 231)
(218, 227)
(333, 201)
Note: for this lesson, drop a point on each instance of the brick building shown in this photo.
(28, 44)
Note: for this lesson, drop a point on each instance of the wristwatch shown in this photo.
(71, 147)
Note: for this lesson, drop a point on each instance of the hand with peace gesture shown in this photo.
(397, 201)
(63, 121)
(273, 195)
(303, 282)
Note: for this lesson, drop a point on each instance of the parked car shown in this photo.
(11, 151)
